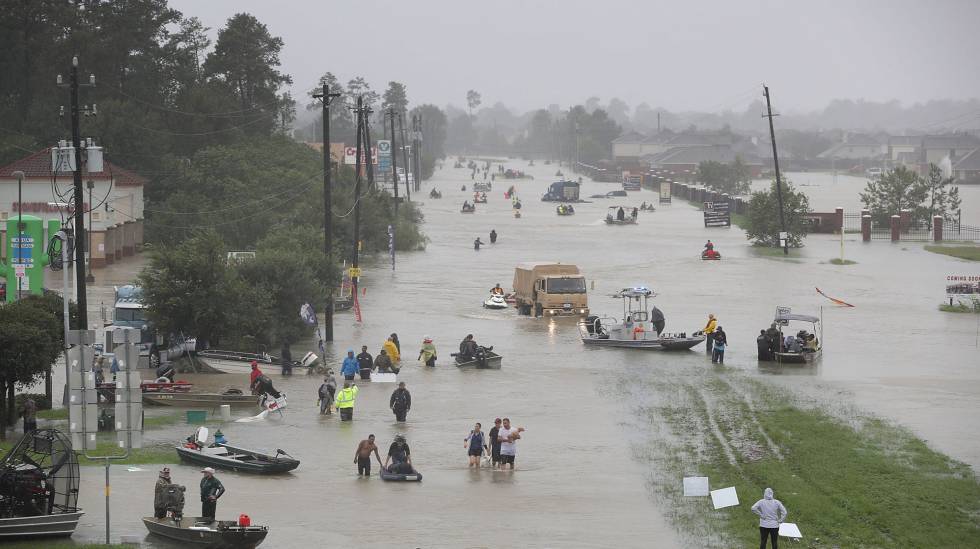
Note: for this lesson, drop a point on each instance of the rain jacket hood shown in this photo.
(770, 510)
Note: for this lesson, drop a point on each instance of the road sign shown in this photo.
(20, 270)
(384, 148)
(354, 272)
(349, 154)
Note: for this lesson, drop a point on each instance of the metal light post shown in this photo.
(20, 227)
(90, 277)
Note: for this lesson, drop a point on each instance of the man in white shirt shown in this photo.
(508, 437)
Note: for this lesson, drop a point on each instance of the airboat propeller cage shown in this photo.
(39, 476)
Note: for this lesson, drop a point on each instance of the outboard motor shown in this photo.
(592, 324)
(173, 501)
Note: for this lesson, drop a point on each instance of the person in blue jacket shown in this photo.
(350, 366)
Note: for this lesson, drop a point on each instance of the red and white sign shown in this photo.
(351, 152)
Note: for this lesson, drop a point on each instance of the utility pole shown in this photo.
(407, 168)
(91, 185)
(325, 98)
(390, 113)
(79, 211)
(416, 152)
(357, 195)
(368, 159)
(775, 163)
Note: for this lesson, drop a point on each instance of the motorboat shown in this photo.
(435, 194)
(208, 533)
(200, 400)
(479, 198)
(710, 255)
(565, 209)
(467, 209)
(628, 216)
(237, 356)
(495, 301)
(234, 458)
(485, 359)
(636, 331)
(39, 483)
(788, 355)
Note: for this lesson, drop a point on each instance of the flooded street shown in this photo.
(580, 481)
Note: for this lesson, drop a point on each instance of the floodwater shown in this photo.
(580, 481)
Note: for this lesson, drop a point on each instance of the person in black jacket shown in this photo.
(401, 402)
(365, 362)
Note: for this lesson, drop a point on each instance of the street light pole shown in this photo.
(91, 277)
(20, 228)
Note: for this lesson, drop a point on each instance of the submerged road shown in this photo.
(578, 482)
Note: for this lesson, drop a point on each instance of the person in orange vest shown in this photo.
(709, 330)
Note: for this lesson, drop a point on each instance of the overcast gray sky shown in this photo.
(681, 54)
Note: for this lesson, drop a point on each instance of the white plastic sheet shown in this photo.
(789, 530)
(725, 497)
(695, 486)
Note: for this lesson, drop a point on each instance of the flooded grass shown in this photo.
(839, 261)
(960, 308)
(53, 414)
(970, 253)
(856, 482)
(150, 454)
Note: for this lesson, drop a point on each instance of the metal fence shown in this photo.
(957, 231)
(852, 222)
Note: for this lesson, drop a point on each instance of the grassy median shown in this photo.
(846, 481)
(970, 253)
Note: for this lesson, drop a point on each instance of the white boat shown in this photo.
(245, 368)
(495, 301)
(636, 331)
(804, 356)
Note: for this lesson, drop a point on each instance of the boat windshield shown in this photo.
(566, 286)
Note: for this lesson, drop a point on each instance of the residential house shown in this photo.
(967, 168)
(856, 147)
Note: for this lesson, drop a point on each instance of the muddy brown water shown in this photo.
(578, 482)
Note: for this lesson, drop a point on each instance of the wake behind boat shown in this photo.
(637, 331)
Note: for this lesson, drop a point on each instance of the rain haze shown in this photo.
(568, 217)
(701, 55)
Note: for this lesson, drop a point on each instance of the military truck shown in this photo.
(550, 289)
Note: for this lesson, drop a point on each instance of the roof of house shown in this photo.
(906, 140)
(957, 141)
(38, 165)
(848, 145)
(630, 137)
(696, 154)
(700, 138)
(969, 162)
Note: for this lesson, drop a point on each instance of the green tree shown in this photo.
(896, 190)
(734, 178)
(763, 218)
(246, 59)
(434, 128)
(396, 97)
(190, 289)
(473, 100)
(31, 339)
(943, 199)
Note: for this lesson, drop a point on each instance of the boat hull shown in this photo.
(665, 344)
(798, 358)
(42, 526)
(262, 464)
(493, 362)
(232, 537)
(617, 222)
(204, 400)
(396, 477)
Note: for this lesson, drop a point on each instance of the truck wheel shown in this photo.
(538, 310)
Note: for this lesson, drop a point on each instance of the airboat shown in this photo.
(636, 331)
(39, 487)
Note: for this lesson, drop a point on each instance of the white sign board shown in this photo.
(789, 530)
(350, 153)
(384, 147)
(695, 486)
(726, 497)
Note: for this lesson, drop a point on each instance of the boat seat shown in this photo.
(234, 456)
(216, 451)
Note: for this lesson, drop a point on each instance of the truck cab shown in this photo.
(128, 311)
(550, 289)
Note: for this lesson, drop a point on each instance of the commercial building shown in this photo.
(115, 203)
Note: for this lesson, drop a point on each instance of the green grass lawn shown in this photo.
(856, 483)
(839, 261)
(970, 253)
(959, 308)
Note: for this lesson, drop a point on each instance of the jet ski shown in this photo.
(495, 301)
(710, 255)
